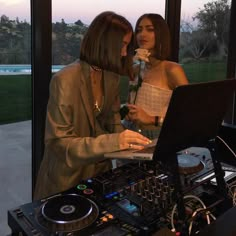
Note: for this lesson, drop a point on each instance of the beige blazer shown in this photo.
(75, 139)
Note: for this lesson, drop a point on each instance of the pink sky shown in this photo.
(86, 10)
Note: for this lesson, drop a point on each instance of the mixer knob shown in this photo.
(141, 183)
(154, 182)
(152, 189)
(163, 201)
(150, 198)
(172, 188)
(156, 200)
(146, 188)
(166, 189)
(159, 188)
(151, 172)
(158, 194)
(139, 190)
(147, 180)
(133, 187)
(144, 194)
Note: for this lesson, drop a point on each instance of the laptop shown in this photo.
(193, 117)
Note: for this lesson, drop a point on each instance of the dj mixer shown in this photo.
(138, 198)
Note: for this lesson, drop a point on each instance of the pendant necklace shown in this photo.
(96, 83)
(96, 107)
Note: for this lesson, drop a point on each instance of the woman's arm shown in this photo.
(176, 75)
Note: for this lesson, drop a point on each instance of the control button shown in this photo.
(104, 219)
(81, 186)
(110, 216)
(88, 191)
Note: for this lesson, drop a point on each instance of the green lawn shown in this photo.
(202, 72)
(15, 98)
(196, 72)
(16, 95)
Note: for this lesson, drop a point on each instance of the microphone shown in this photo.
(141, 71)
(142, 57)
(140, 77)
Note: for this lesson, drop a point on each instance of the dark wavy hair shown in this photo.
(102, 43)
(162, 35)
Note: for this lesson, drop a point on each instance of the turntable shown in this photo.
(67, 213)
(189, 164)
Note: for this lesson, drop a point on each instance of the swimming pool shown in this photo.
(22, 69)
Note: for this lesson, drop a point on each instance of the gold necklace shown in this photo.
(96, 88)
(96, 68)
(96, 107)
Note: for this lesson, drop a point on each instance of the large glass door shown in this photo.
(204, 32)
(15, 107)
(70, 22)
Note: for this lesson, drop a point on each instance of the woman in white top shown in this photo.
(148, 103)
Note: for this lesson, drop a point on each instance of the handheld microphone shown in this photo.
(140, 77)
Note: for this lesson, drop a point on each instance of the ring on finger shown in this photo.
(130, 145)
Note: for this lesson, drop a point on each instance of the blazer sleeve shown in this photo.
(71, 147)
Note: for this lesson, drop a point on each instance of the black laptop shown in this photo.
(194, 116)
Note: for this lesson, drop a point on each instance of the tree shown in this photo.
(214, 19)
(194, 42)
(15, 41)
(66, 41)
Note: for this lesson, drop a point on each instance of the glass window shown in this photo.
(15, 107)
(70, 23)
(204, 39)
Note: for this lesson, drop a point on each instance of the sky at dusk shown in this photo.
(86, 10)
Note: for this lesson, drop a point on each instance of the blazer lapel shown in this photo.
(86, 94)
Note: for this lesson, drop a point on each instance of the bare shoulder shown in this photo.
(175, 73)
(171, 66)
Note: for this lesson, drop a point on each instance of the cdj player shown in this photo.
(135, 199)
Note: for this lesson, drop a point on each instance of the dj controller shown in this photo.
(138, 198)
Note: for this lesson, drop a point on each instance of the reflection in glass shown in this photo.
(204, 39)
(15, 108)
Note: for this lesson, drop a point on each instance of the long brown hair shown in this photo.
(102, 44)
(162, 35)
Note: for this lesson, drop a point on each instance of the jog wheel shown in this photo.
(189, 164)
(67, 213)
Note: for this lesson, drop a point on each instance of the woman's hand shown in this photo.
(133, 140)
(142, 54)
(138, 115)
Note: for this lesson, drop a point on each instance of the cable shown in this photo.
(222, 140)
(185, 197)
(140, 77)
(232, 193)
(199, 210)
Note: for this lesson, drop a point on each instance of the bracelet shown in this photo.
(161, 120)
(156, 121)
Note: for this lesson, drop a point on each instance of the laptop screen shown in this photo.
(194, 116)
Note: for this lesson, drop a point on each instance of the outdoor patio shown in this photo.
(15, 169)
